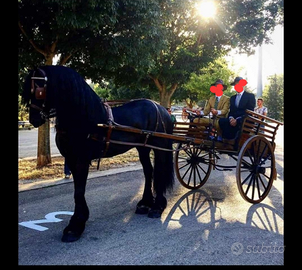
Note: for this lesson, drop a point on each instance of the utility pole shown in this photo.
(259, 84)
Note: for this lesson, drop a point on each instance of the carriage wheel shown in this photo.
(192, 165)
(255, 169)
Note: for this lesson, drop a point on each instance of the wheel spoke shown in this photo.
(249, 185)
(246, 178)
(262, 182)
(267, 176)
(194, 177)
(190, 165)
(265, 159)
(202, 169)
(250, 156)
(246, 164)
(263, 151)
(253, 190)
(182, 158)
(258, 188)
(189, 180)
(254, 179)
(199, 176)
(184, 166)
(188, 152)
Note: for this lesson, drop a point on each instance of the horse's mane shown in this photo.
(75, 102)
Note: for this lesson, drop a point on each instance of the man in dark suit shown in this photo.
(238, 104)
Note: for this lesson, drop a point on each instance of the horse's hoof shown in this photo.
(155, 213)
(142, 209)
(70, 237)
(73, 231)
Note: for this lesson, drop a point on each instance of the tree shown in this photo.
(104, 32)
(48, 28)
(273, 96)
(191, 42)
(197, 89)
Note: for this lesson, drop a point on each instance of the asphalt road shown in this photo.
(209, 226)
(28, 141)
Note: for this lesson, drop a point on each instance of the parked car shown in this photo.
(25, 125)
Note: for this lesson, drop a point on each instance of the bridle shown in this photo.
(39, 93)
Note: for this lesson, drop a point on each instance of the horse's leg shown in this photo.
(145, 204)
(76, 226)
(163, 179)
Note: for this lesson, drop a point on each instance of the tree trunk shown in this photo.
(43, 153)
(165, 99)
(164, 93)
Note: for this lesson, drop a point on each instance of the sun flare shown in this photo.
(206, 9)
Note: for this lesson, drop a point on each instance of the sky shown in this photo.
(272, 60)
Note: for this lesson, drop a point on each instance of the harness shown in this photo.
(40, 94)
(112, 125)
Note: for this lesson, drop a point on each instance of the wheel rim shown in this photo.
(192, 166)
(255, 169)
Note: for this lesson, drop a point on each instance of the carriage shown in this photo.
(198, 152)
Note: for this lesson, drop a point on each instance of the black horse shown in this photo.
(61, 92)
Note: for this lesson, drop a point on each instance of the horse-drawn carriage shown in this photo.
(87, 130)
(198, 151)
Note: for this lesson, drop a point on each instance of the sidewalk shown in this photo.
(28, 184)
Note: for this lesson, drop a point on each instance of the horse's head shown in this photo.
(35, 95)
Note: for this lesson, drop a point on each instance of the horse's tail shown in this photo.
(164, 169)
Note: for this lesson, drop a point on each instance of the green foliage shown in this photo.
(139, 44)
(22, 110)
(197, 89)
(273, 96)
(248, 23)
(101, 91)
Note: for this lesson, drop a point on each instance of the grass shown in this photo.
(28, 171)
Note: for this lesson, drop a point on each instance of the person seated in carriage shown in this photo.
(238, 104)
(217, 106)
(173, 117)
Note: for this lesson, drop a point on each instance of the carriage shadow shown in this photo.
(195, 208)
(275, 195)
(193, 222)
(200, 208)
(198, 213)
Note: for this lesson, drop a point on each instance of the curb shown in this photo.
(59, 181)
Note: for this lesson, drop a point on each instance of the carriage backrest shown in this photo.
(258, 124)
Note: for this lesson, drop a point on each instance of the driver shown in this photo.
(218, 105)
